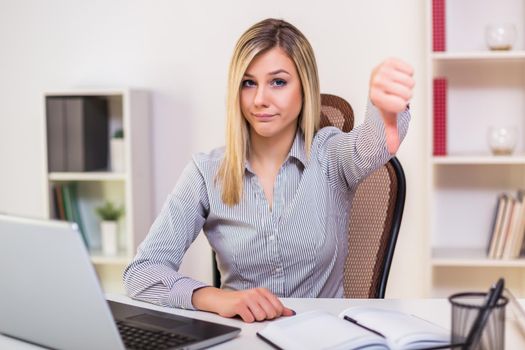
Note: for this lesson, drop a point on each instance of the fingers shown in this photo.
(396, 89)
(258, 304)
(390, 91)
(266, 306)
(392, 103)
(402, 78)
(288, 312)
(388, 102)
(391, 85)
(400, 66)
(388, 79)
(276, 304)
(396, 70)
(392, 138)
(258, 312)
(246, 314)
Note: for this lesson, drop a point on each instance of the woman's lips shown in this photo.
(263, 116)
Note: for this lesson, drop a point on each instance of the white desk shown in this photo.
(435, 310)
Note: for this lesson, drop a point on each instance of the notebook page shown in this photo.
(402, 330)
(319, 330)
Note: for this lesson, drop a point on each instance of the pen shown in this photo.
(484, 313)
(363, 326)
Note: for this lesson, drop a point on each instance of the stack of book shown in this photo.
(508, 229)
(65, 201)
(77, 133)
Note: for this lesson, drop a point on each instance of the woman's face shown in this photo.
(271, 95)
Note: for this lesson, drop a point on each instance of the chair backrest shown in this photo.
(375, 219)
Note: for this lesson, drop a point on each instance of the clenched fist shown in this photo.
(391, 86)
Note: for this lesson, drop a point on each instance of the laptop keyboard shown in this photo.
(143, 339)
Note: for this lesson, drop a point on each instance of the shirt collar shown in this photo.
(297, 151)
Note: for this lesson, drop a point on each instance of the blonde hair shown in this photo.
(260, 38)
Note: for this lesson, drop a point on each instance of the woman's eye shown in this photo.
(248, 83)
(278, 82)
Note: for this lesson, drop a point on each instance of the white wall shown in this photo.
(180, 50)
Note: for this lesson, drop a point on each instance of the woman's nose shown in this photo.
(260, 99)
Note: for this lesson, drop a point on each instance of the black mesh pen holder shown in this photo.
(465, 309)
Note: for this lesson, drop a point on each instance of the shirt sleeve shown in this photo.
(153, 274)
(347, 158)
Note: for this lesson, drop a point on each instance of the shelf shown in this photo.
(478, 159)
(479, 56)
(90, 92)
(128, 110)
(473, 88)
(87, 176)
(470, 257)
(97, 257)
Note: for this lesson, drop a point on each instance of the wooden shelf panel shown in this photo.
(470, 257)
(87, 176)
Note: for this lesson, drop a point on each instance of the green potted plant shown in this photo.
(117, 152)
(110, 214)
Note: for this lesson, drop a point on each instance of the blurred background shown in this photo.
(178, 53)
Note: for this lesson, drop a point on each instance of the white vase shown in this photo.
(117, 155)
(109, 235)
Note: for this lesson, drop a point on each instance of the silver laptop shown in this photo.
(50, 296)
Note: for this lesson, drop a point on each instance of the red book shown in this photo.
(440, 117)
(438, 25)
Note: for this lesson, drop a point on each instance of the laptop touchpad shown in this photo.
(157, 321)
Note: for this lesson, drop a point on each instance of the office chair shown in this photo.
(375, 219)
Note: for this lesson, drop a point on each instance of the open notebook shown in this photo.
(362, 328)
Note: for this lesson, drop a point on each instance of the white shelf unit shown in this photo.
(485, 89)
(128, 110)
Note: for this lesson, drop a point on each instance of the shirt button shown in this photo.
(271, 238)
(278, 269)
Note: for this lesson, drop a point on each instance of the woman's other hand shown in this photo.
(251, 305)
(391, 86)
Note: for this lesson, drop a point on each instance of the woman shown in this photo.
(274, 202)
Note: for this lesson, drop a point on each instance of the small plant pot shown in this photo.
(117, 155)
(109, 235)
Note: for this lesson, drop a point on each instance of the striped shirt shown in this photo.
(295, 249)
